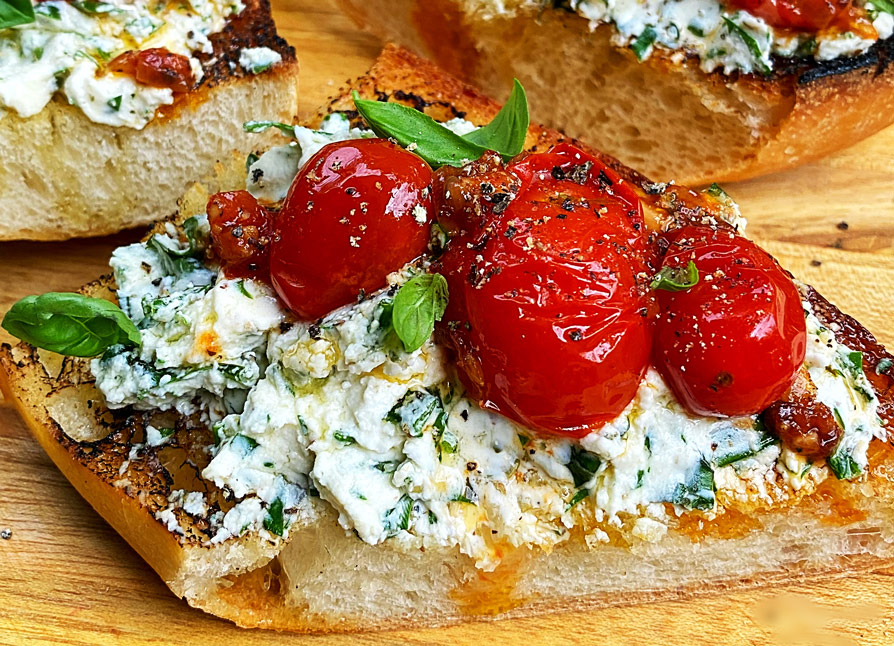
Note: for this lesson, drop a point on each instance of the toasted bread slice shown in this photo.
(65, 176)
(662, 116)
(323, 579)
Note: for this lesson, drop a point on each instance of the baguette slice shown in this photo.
(65, 176)
(668, 120)
(323, 579)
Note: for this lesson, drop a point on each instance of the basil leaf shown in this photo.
(115, 103)
(642, 44)
(844, 466)
(417, 305)
(506, 133)
(70, 324)
(261, 126)
(698, 493)
(93, 8)
(750, 42)
(15, 12)
(883, 5)
(676, 279)
(583, 465)
(437, 145)
(579, 496)
(398, 518)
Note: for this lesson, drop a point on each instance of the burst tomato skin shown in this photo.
(241, 232)
(802, 15)
(547, 317)
(357, 211)
(732, 344)
(156, 67)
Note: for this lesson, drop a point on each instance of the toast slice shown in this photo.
(663, 116)
(322, 578)
(65, 176)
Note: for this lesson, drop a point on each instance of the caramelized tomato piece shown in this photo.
(357, 211)
(802, 15)
(240, 234)
(156, 67)
(805, 427)
(732, 344)
(547, 316)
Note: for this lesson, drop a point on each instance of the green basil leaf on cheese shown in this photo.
(843, 465)
(47, 11)
(398, 518)
(676, 279)
(440, 146)
(418, 304)
(883, 5)
(70, 324)
(437, 145)
(579, 496)
(732, 444)
(261, 126)
(851, 362)
(583, 465)
(698, 492)
(93, 8)
(16, 12)
(414, 410)
(344, 438)
(274, 521)
(173, 261)
(642, 44)
(115, 103)
(506, 133)
(750, 42)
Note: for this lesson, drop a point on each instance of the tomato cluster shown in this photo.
(553, 316)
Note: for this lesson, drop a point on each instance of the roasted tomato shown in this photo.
(802, 15)
(357, 211)
(240, 234)
(732, 343)
(547, 317)
(156, 67)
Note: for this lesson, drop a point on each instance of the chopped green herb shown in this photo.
(114, 103)
(750, 42)
(448, 443)
(883, 366)
(524, 439)
(676, 279)
(698, 493)
(732, 444)
(643, 43)
(583, 465)
(240, 285)
(250, 160)
(413, 412)
(274, 522)
(261, 126)
(47, 11)
(166, 432)
(580, 495)
(344, 438)
(639, 478)
(387, 467)
(93, 8)
(695, 29)
(399, 517)
(843, 465)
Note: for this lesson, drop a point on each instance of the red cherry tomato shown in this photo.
(357, 211)
(803, 15)
(240, 234)
(732, 344)
(547, 316)
(156, 67)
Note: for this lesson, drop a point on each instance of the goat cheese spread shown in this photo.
(338, 409)
(66, 48)
(723, 39)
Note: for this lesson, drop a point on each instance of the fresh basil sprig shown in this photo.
(70, 324)
(440, 146)
(15, 12)
(750, 42)
(417, 305)
(676, 279)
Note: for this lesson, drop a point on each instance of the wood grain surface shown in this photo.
(67, 578)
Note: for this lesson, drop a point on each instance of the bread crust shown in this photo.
(65, 176)
(804, 111)
(284, 585)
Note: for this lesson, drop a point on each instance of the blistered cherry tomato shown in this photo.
(357, 211)
(240, 234)
(731, 344)
(156, 67)
(803, 15)
(547, 316)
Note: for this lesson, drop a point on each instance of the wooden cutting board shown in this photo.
(67, 578)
